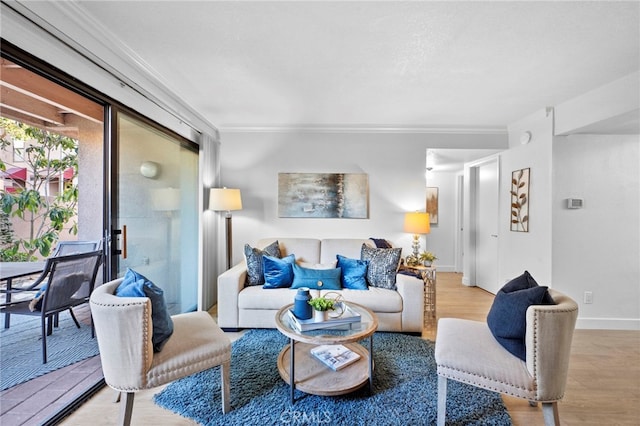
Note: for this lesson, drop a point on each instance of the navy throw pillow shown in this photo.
(317, 279)
(354, 273)
(277, 272)
(136, 285)
(507, 318)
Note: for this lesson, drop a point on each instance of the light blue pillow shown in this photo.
(277, 272)
(318, 279)
(136, 285)
(354, 273)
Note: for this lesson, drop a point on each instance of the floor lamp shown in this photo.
(226, 200)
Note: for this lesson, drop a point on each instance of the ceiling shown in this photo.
(386, 66)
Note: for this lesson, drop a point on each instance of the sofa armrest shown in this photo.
(230, 284)
(411, 290)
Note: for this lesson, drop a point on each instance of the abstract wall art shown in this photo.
(432, 204)
(323, 195)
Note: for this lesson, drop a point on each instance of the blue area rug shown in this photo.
(21, 348)
(405, 390)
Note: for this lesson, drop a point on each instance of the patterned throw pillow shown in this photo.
(253, 256)
(383, 265)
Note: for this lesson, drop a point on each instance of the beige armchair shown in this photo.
(467, 352)
(124, 329)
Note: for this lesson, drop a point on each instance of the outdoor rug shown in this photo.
(405, 390)
(21, 348)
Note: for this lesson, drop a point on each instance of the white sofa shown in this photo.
(241, 306)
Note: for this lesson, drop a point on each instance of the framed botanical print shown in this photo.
(520, 200)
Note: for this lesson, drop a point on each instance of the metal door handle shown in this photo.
(122, 231)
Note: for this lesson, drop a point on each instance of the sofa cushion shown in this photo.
(255, 297)
(310, 265)
(305, 249)
(278, 273)
(507, 316)
(354, 272)
(318, 279)
(383, 265)
(137, 285)
(348, 247)
(377, 299)
(253, 257)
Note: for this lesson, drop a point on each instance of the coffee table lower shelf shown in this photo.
(313, 377)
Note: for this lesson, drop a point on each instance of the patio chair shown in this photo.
(69, 283)
(467, 352)
(64, 248)
(124, 329)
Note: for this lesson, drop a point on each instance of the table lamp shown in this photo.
(416, 223)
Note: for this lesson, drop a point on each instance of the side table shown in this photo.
(428, 275)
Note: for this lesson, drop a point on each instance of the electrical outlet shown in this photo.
(588, 297)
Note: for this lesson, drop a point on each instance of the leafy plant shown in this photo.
(46, 156)
(427, 256)
(322, 303)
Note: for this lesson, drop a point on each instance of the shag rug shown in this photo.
(404, 390)
(21, 348)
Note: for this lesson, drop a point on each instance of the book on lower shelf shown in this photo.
(348, 317)
(335, 357)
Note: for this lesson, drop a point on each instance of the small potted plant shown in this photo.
(321, 307)
(427, 258)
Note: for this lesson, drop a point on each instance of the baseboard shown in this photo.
(608, 324)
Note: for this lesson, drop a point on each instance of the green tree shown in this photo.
(46, 156)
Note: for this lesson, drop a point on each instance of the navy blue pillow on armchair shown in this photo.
(507, 318)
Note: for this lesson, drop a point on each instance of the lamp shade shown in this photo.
(225, 199)
(417, 223)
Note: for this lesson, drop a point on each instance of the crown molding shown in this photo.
(361, 128)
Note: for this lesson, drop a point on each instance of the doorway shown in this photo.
(485, 215)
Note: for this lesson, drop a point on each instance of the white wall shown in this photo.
(395, 164)
(597, 248)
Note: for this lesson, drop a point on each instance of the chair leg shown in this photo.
(74, 318)
(550, 413)
(44, 322)
(225, 386)
(442, 400)
(126, 409)
(117, 397)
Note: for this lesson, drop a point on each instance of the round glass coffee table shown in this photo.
(303, 371)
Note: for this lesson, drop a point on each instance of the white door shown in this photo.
(487, 226)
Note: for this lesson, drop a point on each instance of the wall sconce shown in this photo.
(149, 169)
(416, 223)
(225, 199)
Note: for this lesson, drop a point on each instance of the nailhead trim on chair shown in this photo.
(538, 314)
(483, 385)
(145, 328)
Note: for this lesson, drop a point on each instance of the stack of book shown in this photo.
(335, 357)
(348, 317)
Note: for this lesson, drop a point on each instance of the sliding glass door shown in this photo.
(154, 209)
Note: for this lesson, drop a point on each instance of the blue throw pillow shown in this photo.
(253, 257)
(317, 279)
(277, 272)
(354, 273)
(507, 318)
(136, 285)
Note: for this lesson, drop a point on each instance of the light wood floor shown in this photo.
(603, 386)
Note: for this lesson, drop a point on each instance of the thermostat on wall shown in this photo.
(574, 203)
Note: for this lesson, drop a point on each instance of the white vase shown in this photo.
(320, 316)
